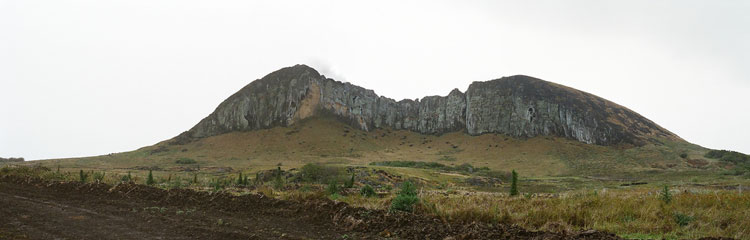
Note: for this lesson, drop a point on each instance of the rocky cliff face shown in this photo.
(519, 106)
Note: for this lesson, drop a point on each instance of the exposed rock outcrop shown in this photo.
(518, 106)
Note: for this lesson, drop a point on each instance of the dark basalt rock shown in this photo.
(519, 106)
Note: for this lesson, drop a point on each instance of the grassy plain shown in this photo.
(565, 184)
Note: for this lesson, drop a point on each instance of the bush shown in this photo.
(682, 219)
(683, 155)
(127, 178)
(350, 182)
(728, 156)
(332, 188)
(240, 180)
(514, 183)
(150, 179)
(278, 182)
(406, 198)
(185, 161)
(98, 176)
(316, 172)
(463, 168)
(367, 191)
(665, 195)
(83, 177)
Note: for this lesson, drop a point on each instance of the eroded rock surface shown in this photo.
(519, 106)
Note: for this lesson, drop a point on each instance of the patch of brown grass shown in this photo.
(715, 213)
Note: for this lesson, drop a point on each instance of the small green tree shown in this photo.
(514, 183)
(278, 182)
(83, 176)
(350, 182)
(406, 198)
(126, 178)
(665, 195)
(240, 180)
(150, 179)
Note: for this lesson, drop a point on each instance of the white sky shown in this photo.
(81, 78)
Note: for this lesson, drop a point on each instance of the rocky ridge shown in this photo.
(519, 106)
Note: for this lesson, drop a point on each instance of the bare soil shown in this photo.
(34, 209)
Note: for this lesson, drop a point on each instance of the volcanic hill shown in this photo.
(295, 116)
(518, 106)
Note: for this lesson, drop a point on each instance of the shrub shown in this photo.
(682, 219)
(683, 155)
(127, 178)
(332, 188)
(315, 172)
(195, 178)
(185, 161)
(514, 183)
(218, 184)
(98, 176)
(150, 179)
(278, 182)
(406, 198)
(463, 168)
(665, 195)
(83, 176)
(240, 180)
(350, 182)
(367, 191)
(728, 156)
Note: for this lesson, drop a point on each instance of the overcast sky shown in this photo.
(82, 78)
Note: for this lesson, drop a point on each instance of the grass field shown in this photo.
(564, 184)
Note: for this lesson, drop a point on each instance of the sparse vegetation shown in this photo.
(682, 220)
(99, 176)
(319, 173)
(728, 156)
(185, 161)
(691, 212)
(333, 188)
(10, 160)
(465, 168)
(367, 191)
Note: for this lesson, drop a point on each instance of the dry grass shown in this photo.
(636, 213)
(327, 140)
(640, 212)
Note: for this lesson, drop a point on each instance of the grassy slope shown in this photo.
(329, 141)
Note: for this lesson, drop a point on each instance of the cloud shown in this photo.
(327, 69)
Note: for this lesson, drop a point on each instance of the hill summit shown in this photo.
(519, 106)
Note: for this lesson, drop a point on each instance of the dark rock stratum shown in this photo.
(518, 106)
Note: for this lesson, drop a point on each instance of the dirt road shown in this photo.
(34, 209)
